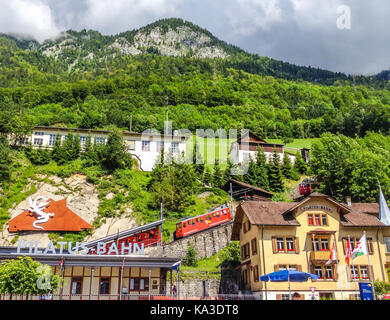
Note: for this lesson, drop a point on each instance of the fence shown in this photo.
(124, 297)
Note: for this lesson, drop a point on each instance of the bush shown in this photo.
(190, 259)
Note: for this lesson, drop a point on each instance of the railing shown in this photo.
(124, 297)
(320, 255)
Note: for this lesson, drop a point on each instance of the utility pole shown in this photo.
(131, 123)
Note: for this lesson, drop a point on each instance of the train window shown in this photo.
(213, 214)
(225, 212)
(218, 214)
(178, 226)
(184, 224)
(197, 219)
(193, 222)
(201, 219)
(209, 217)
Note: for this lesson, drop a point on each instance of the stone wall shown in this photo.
(206, 243)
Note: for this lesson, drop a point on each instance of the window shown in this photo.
(38, 141)
(324, 244)
(245, 251)
(321, 244)
(100, 140)
(246, 225)
(285, 245)
(355, 240)
(104, 286)
(76, 285)
(387, 242)
(256, 273)
(355, 272)
(285, 296)
(139, 284)
(318, 219)
(39, 133)
(310, 219)
(286, 267)
(290, 244)
(145, 145)
(160, 146)
(329, 272)
(23, 140)
(83, 140)
(130, 144)
(364, 273)
(318, 271)
(280, 243)
(254, 246)
(175, 147)
(52, 139)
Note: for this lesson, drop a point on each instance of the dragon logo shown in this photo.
(36, 209)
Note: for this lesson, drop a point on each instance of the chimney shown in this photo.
(348, 201)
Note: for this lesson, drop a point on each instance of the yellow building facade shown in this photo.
(299, 236)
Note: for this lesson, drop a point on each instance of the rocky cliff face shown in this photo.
(179, 39)
(81, 198)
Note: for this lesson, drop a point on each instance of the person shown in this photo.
(296, 296)
(174, 290)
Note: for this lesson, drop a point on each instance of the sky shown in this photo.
(350, 36)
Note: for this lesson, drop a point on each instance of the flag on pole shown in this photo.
(361, 248)
(333, 256)
(384, 211)
(348, 252)
(176, 265)
(61, 263)
(123, 264)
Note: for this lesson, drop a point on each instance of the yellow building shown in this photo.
(299, 235)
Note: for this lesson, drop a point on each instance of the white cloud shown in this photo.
(127, 14)
(246, 16)
(31, 17)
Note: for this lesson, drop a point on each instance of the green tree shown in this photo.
(114, 155)
(300, 164)
(5, 160)
(26, 276)
(191, 259)
(275, 176)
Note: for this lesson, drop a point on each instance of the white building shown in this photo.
(144, 147)
(246, 147)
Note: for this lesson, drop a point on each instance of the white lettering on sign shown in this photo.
(79, 248)
(316, 207)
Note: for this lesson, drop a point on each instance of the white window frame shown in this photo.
(145, 145)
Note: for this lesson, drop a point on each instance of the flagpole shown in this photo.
(353, 268)
(337, 262)
(120, 287)
(369, 266)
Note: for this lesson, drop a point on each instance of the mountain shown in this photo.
(77, 53)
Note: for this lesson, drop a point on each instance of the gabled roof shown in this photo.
(64, 219)
(281, 214)
(246, 186)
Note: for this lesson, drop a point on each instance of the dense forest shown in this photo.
(243, 91)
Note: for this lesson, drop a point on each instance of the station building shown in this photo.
(299, 236)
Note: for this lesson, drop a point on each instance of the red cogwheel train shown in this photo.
(202, 222)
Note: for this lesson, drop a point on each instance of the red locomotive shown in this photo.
(205, 221)
(310, 185)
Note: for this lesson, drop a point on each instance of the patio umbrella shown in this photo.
(289, 276)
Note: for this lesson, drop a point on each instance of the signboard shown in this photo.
(80, 248)
(316, 207)
(366, 291)
(47, 215)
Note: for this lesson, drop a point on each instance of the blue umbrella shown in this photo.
(288, 275)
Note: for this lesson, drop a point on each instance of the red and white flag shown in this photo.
(61, 263)
(123, 264)
(348, 252)
(333, 256)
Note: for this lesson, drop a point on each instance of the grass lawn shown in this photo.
(297, 143)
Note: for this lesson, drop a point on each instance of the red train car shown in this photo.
(202, 222)
(148, 238)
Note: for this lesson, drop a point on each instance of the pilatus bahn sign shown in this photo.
(101, 248)
(47, 215)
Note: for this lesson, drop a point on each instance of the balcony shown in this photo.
(320, 255)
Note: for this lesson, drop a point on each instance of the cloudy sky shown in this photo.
(350, 36)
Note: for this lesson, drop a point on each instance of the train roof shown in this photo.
(208, 212)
